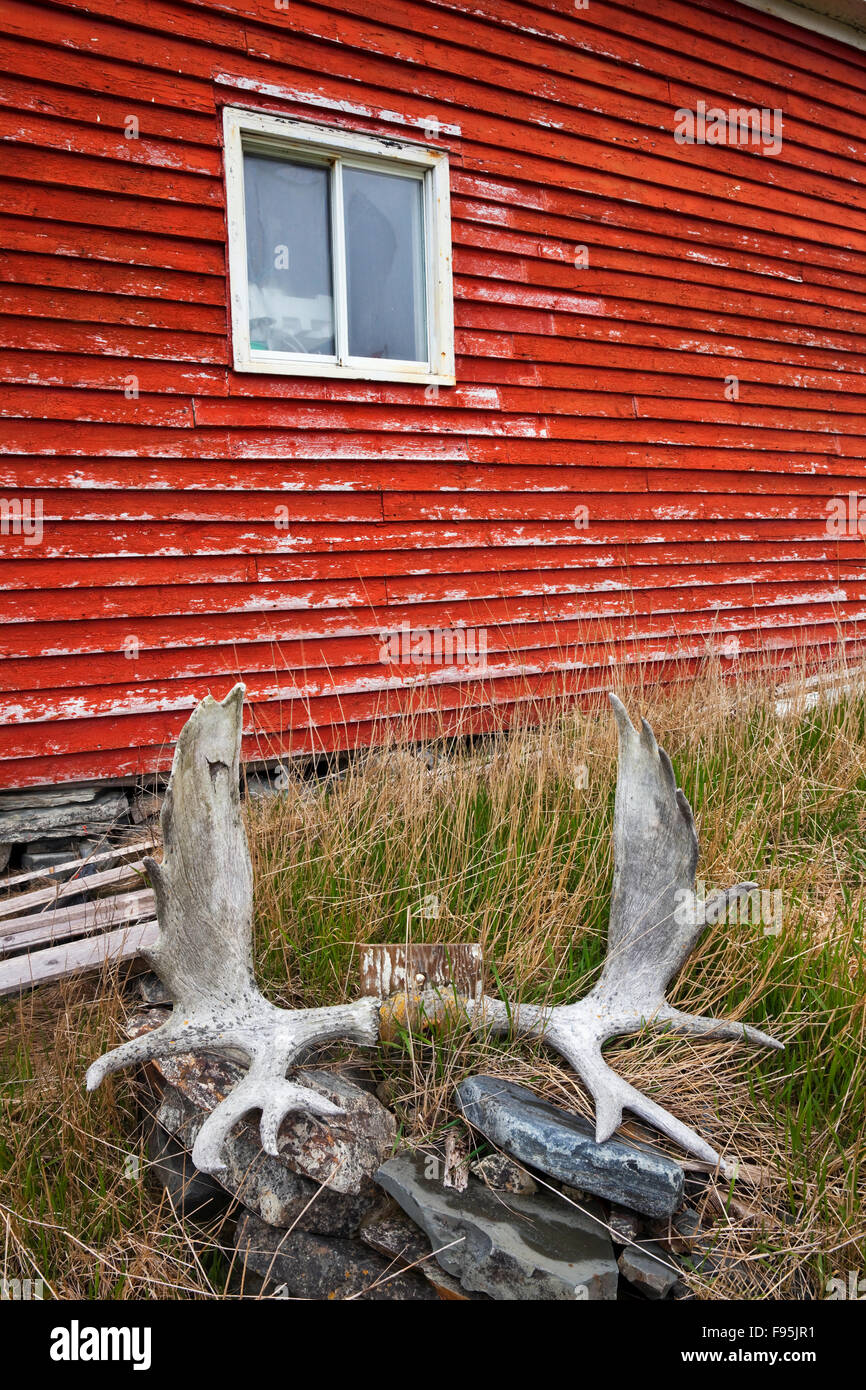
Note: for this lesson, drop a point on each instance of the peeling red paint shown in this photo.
(599, 387)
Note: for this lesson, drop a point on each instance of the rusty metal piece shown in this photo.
(436, 965)
(426, 988)
(424, 1013)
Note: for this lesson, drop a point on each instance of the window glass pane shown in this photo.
(385, 265)
(289, 256)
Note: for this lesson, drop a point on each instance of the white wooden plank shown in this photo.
(55, 892)
(304, 97)
(826, 17)
(116, 852)
(90, 953)
(34, 928)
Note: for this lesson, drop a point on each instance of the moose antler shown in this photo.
(203, 955)
(656, 920)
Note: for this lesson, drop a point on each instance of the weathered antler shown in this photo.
(203, 955)
(656, 920)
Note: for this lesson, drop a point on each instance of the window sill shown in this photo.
(335, 371)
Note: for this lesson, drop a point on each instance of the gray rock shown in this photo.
(343, 1152)
(268, 1186)
(687, 1223)
(679, 1235)
(519, 1247)
(624, 1225)
(37, 798)
(501, 1172)
(145, 807)
(192, 1193)
(648, 1268)
(5, 856)
(323, 1177)
(388, 1230)
(152, 990)
(563, 1146)
(59, 821)
(48, 854)
(298, 1264)
(259, 785)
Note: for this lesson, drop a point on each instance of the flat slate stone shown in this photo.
(46, 858)
(388, 1230)
(36, 799)
(511, 1247)
(60, 821)
(563, 1146)
(648, 1268)
(298, 1264)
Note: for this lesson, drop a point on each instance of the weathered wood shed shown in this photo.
(246, 433)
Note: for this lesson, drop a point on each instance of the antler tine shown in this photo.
(203, 953)
(655, 923)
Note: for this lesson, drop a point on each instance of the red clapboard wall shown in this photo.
(601, 386)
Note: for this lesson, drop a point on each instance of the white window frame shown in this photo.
(259, 131)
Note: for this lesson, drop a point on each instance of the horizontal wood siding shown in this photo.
(597, 387)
